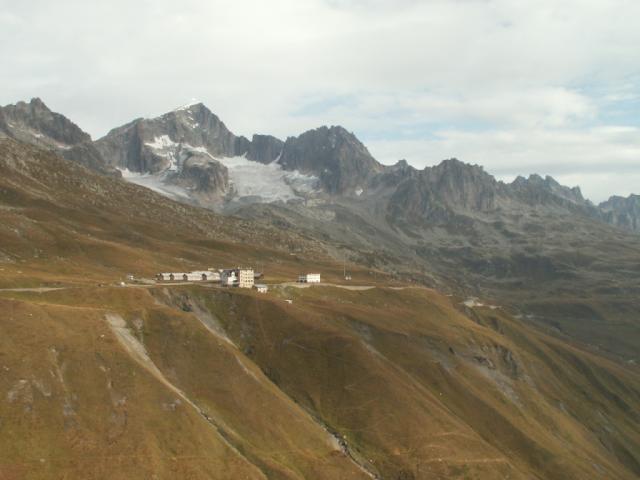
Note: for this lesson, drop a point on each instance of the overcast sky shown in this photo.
(544, 86)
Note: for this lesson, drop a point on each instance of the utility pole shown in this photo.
(344, 266)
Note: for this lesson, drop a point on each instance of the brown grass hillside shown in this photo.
(100, 381)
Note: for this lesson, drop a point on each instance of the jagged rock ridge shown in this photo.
(36, 124)
(622, 212)
(186, 148)
(342, 162)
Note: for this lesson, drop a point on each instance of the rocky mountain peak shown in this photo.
(437, 194)
(185, 147)
(153, 145)
(453, 166)
(265, 148)
(623, 212)
(34, 123)
(37, 103)
(462, 185)
(194, 115)
(335, 155)
(538, 190)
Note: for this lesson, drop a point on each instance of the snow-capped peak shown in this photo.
(187, 106)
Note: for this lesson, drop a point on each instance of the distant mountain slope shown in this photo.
(437, 195)
(149, 145)
(336, 156)
(329, 160)
(622, 212)
(391, 381)
(36, 124)
(532, 244)
(188, 148)
(186, 154)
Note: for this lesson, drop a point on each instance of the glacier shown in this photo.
(268, 182)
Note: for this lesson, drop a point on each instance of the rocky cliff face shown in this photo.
(36, 124)
(185, 147)
(152, 145)
(264, 148)
(341, 161)
(453, 187)
(437, 194)
(156, 146)
(622, 212)
(204, 176)
(536, 190)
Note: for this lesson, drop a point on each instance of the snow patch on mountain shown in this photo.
(199, 150)
(165, 147)
(192, 123)
(187, 106)
(161, 143)
(155, 182)
(269, 183)
(256, 181)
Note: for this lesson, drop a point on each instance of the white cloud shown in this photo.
(525, 72)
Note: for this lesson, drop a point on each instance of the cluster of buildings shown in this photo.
(229, 277)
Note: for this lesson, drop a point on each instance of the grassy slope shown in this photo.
(60, 222)
(409, 379)
(74, 405)
(415, 387)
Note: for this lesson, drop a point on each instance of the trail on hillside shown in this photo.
(138, 352)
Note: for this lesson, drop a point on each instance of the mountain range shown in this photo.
(562, 262)
(189, 148)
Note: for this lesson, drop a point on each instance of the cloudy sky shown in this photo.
(518, 86)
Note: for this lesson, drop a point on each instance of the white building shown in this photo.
(203, 276)
(229, 278)
(261, 288)
(237, 277)
(309, 278)
(169, 277)
(245, 277)
(198, 276)
(207, 275)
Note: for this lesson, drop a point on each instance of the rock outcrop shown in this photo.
(205, 177)
(36, 124)
(152, 145)
(438, 193)
(264, 148)
(622, 212)
(336, 156)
